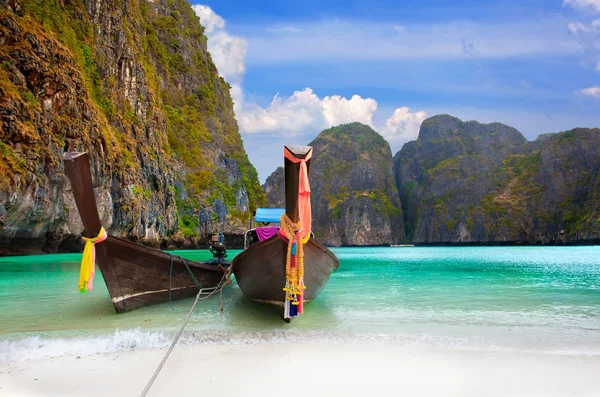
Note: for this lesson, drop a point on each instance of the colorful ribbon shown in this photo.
(296, 234)
(88, 261)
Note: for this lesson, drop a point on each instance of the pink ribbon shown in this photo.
(304, 210)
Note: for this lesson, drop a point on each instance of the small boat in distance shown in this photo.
(265, 270)
(137, 275)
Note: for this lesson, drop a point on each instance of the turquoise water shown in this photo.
(519, 298)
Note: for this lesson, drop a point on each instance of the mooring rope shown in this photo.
(222, 283)
(171, 276)
(226, 279)
(164, 360)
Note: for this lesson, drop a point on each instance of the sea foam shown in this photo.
(38, 347)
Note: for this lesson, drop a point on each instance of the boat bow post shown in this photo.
(77, 168)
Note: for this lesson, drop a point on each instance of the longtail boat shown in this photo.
(137, 275)
(285, 266)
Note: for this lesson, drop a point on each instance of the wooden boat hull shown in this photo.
(260, 270)
(138, 276)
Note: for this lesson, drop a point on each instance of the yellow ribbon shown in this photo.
(88, 261)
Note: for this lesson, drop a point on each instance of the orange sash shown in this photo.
(303, 192)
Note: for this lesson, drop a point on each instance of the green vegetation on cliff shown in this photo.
(132, 83)
(353, 195)
(471, 182)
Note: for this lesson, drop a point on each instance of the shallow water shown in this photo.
(517, 298)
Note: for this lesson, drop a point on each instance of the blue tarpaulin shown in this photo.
(268, 214)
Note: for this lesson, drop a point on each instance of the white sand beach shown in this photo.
(307, 369)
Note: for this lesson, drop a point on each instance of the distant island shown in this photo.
(139, 92)
(458, 183)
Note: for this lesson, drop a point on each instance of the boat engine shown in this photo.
(217, 247)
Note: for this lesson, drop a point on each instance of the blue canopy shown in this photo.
(269, 214)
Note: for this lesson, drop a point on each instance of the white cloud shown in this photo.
(208, 18)
(305, 113)
(403, 126)
(287, 116)
(592, 91)
(598, 66)
(399, 28)
(228, 52)
(339, 110)
(584, 4)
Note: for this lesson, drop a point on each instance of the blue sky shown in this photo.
(299, 67)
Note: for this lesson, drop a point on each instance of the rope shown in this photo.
(221, 286)
(164, 360)
(171, 276)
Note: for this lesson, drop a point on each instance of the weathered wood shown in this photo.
(77, 168)
(291, 175)
(135, 275)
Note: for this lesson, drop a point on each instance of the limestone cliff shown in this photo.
(132, 83)
(274, 188)
(470, 182)
(354, 199)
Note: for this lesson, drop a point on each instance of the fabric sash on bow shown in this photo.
(303, 193)
(88, 261)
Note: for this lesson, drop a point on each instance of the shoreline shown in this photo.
(322, 370)
(74, 245)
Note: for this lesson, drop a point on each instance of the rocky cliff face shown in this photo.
(132, 83)
(354, 200)
(274, 189)
(471, 182)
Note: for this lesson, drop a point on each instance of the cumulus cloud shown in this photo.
(339, 110)
(584, 4)
(304, 112)
(592, 91)
(403, 126)
(208, 18)
(228, 52)
(287, 116)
